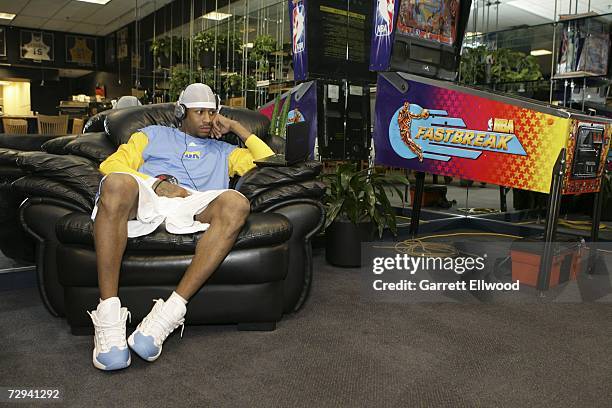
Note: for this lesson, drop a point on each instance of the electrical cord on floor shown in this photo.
(416, 247)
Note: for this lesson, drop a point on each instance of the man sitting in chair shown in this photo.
(179, 177)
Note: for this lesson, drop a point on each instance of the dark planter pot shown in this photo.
(343, 242)
(207, 59)
(163, 61)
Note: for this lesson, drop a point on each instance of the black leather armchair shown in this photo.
(267, 273)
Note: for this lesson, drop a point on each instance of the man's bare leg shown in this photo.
(226, 216)
(117, 204)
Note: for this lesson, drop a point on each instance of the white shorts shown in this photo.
(178, 213)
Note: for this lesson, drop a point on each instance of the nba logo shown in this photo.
(298, 27)
(384, 17)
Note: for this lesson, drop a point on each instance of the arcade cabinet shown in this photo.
(330, 44)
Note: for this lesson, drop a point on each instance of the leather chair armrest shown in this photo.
(261, 179)
(77, 173)
(27, 142)
(8, 156)
(33, 186)
(311, 189)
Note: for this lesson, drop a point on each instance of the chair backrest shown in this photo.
(52, 125)
(15, 126)
(77, 126)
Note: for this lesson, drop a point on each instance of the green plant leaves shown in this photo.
(360, 195)
(507, 66)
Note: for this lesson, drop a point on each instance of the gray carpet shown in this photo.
(338, 351)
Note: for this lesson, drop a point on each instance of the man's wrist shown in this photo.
(233, 126)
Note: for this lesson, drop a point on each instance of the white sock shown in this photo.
(110, 309)
(177, 297)
(175, 305)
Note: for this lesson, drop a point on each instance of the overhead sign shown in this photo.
(298, 21)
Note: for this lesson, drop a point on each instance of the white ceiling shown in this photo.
(76, 16)
(513, 13)
(94, 19)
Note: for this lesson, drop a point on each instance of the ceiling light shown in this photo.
(95, 1)
(472, 34)
(542, 9)
(7, 16)
(537, 53)
(217, 16)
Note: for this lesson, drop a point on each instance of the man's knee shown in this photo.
(118, 192)
(233, 208)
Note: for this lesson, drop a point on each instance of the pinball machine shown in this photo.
(426, 123)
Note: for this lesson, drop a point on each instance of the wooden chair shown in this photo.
(52, 125)
(77, 126)
(15, 126)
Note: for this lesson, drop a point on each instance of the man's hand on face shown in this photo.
(167, 189)
(220, 126)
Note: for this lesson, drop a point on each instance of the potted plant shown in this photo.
(357, 207)
(160, 47)
(180, 77)
(167, 50)
(232, 85)
(263, 46)
(204, 47)
(229, 41)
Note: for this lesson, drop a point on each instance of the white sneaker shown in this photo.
(110, 348)
(147, 339)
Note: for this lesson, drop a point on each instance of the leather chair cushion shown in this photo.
(120, 124)
(94, 146)
(96, 122)
(262, 179)
(260, 230)
(78, 173)
(57, 145)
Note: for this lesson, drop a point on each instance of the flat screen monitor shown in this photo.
(428, 37)
(338, 36)
(433, 20)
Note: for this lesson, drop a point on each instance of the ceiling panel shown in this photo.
(84, 28)
(27, 21)
(11, 6)
(106, 14)
(58, 25)
(43, 8)
(76, 11)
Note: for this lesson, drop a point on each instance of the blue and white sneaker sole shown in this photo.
(112, 362)
(143, 346)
